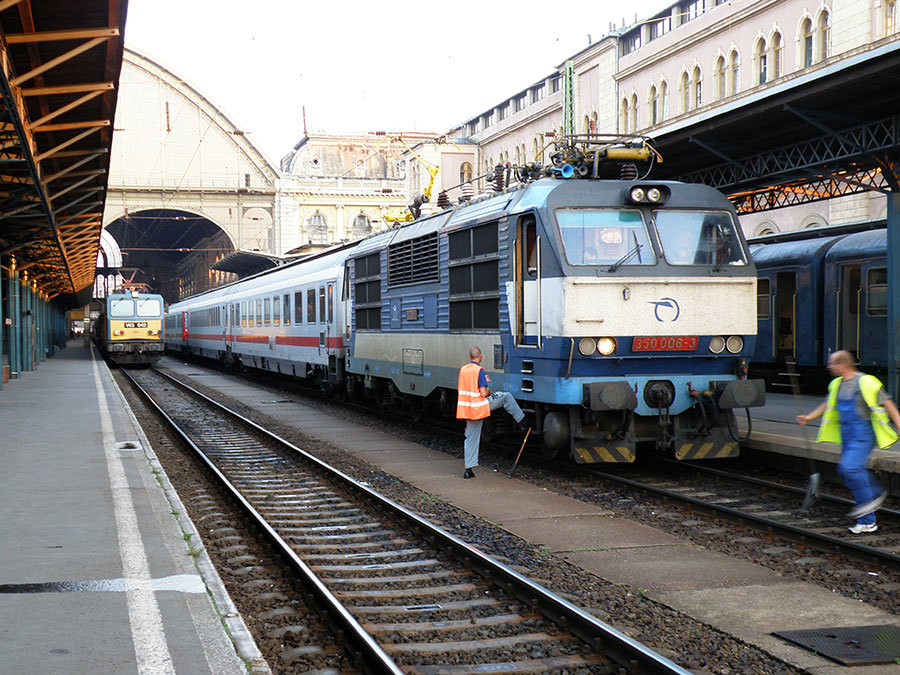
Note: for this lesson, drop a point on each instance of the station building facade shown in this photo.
(692, 60)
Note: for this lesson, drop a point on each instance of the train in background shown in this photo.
(819, 291)
(129, 328)
(593, 298)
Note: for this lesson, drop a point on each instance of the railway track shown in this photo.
(402, 594)
(772, 508)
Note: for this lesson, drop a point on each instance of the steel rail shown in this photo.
(825, 542)
(371, 658)
(601, 636)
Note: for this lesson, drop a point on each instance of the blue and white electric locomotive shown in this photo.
(615, 311)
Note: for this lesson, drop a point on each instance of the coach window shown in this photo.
(237, 315)
(876, 294)
(298, 307)
(311, 305)
(330, 303)
(763, 311)
(276, 310)
(259, 312)
(321, 304)
(243, 311)
(287, 308)
(267, 303)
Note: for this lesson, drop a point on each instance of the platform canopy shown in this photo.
(60, 63)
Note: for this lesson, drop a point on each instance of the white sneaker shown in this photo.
(859, 528)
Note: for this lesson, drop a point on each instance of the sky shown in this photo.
(364, 66)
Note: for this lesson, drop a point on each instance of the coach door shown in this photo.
(528, 282)
(848, 308)
(786, 315)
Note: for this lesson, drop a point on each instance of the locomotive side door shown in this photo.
(848, 307)
(528, 283)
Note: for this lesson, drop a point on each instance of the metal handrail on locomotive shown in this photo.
(129, 329)
(616, 309)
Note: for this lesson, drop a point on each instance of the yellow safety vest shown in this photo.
(471, 405)
(830, 431)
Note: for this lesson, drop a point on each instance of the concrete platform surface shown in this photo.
(704, 584)
(96, 575)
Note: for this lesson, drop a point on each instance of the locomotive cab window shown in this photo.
(876, 293)
(120, 307)
(148, 307)
(604, 237)
(699, 238)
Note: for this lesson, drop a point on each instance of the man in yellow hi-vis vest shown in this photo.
(856, 413)
(475, 402)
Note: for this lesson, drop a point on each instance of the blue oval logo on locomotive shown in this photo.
(666, 310)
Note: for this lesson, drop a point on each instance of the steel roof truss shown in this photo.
(66, 108)
(62, 58)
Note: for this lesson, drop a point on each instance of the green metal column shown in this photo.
(27, 332)
(15, 340)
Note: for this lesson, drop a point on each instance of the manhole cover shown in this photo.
(855, 646)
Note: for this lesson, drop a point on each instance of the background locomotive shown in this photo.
(128, 330)
(615, 311)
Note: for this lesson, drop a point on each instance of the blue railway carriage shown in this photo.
(856, 295)
(128, 330)
(617, 312)
(790, 298)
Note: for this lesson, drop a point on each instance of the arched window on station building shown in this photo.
(536, 150)
(806, 42)
(890, 17)
(697, 87)
(465, 172)
(824, 27)
(634, 113)
(777, 55)
(721, 78)
(762, 69)
(663, 101)
(735, 62)
(623, 116)
(653, 105)
(767, 227)
(685, 92)
(362, 226)
(317, 229)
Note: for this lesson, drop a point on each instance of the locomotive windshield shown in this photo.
(148, 307)
(699, 238)
(121, 307)
(607, 237)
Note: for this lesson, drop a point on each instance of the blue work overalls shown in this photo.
(857, 441)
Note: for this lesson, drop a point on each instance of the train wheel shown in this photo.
(555, 434)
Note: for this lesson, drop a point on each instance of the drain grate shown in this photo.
(854, 646)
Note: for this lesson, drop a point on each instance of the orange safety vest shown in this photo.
(470, 405)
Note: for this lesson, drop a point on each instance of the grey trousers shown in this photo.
(499, 399)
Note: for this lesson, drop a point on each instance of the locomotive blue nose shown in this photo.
(659, 393)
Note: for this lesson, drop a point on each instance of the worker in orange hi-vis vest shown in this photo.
(475, 402)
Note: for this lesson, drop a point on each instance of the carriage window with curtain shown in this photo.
(876, 293)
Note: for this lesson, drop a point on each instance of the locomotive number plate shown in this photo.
(135, 324)
(665, 344)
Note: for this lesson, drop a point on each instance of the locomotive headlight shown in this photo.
(118, 332)
(606, 345)
(717, 344)
(637, 194)
(587, 346)
(654, 195)
(734, 344)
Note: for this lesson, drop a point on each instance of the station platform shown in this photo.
(97, 574)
